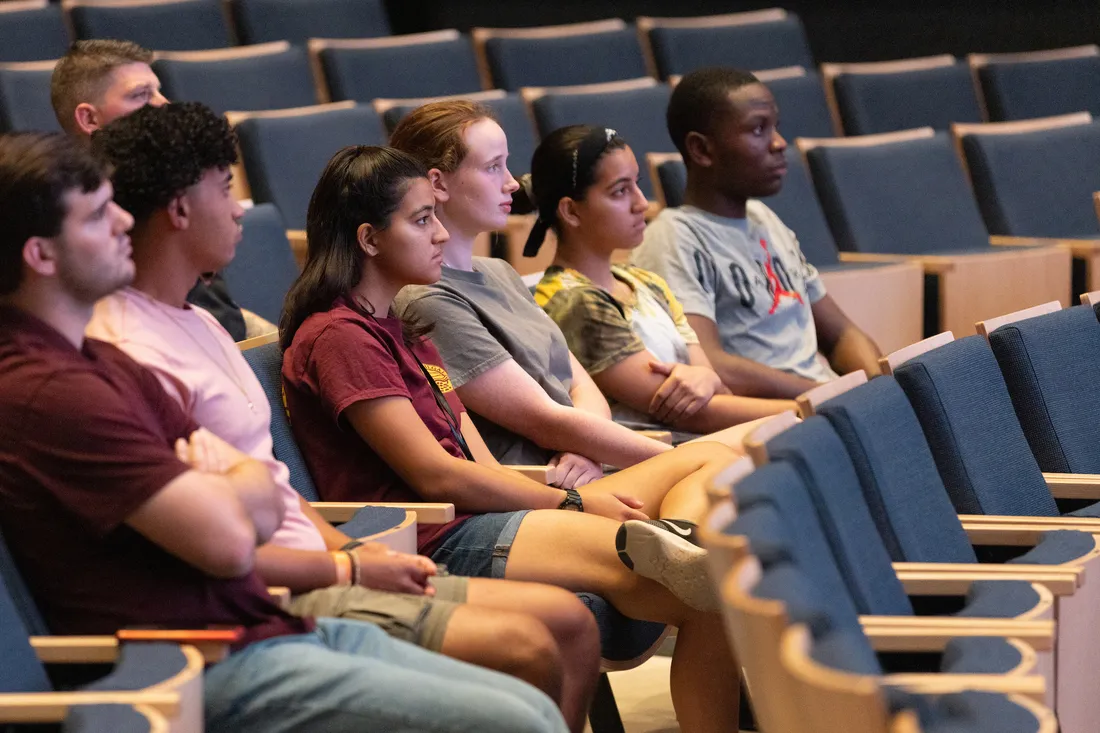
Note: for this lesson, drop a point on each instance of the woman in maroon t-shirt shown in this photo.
(373, 410)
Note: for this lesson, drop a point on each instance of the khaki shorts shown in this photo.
(421, 620)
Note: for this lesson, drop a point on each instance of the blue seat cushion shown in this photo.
(963, 712)
(106, 717)
(372, 520)
(1060, 546)
(999, 599)
(141, 665)
(979, 655)
(936, 98)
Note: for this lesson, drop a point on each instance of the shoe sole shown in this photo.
(668, 559)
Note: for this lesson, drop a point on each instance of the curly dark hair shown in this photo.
(158, 152)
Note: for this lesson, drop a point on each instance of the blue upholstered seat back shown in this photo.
(968, 420)
(793, 532)
(1051, 365)
(797, 206)
(873, 103)
(20, 670)
(267, 364)
(1037, 184)
(511, 113)
(672, 177)
(34, 34)
(803, 108)
(259, 21)
(768, 45)
(908, 197)
(25, 100)
(284, 156)
(264, 268)
(637, 114)
(272, 81)
(401, 72)
(1022, 90)
(591, 58)
(897, 473)
(833, 491)
(186, 25)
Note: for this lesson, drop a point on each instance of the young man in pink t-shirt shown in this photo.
(188, 223)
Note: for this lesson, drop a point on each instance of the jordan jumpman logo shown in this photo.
(778, 291)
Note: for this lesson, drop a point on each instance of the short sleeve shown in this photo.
(594, 327)
(349, 364)
(674, 252)
(105, 451)
(467, 347)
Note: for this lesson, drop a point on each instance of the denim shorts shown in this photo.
(479, 547)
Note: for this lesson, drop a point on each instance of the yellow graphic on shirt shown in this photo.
(439, 374)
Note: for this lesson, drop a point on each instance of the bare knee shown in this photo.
(530, 652)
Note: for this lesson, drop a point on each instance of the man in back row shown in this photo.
(98, 463)
(758, 307)
(97, 82)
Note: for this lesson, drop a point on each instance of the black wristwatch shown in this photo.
(572, 501)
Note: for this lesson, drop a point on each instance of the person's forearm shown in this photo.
(334, 538)
(259, 496)
(589, 398)
(477, 488)
(751, 379)
(569, 430)
(854, 351)
(299, 570)
(724, 411)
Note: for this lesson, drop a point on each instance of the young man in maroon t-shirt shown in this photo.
(119, 511)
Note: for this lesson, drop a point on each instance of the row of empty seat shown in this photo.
(971, 469)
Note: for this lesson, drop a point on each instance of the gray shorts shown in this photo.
(421, 620)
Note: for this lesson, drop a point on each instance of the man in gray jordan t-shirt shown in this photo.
(758, 307)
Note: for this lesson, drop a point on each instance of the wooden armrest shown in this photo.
(52, 707)
(933, 579)
(338, 512)
(871, 257)
(936, 264)
(931, 634)
(543, 474)
(663, 436)
(1078, 247)
(1073, 485)
(1029, 685)
(1021, 531)
(75, 649)
(281, 594)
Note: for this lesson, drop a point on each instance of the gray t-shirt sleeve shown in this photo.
(467, 347)
(675, 253)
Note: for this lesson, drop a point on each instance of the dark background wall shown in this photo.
(845, 30)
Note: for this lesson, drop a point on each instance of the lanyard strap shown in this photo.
(452, 421)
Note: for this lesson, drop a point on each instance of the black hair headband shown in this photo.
(585, 156)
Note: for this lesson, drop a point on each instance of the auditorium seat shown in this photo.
(560, 55)
(634, 108)
(266, 76)
(32, 30)
(1036, 179)
(136, 672)
(904, 196)
(800, 96)
(758, 39)
(884, 299)
(885, 96)
(420, 65)
(1020, 86)
(262, 21)
(284, 151)
(25, 97)
(159, 25)
(263, 268)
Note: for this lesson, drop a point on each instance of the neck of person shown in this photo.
(376, 289)
(702, 195)
(69, 316)
(593, 262)
(458, 250)
(162, 271)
